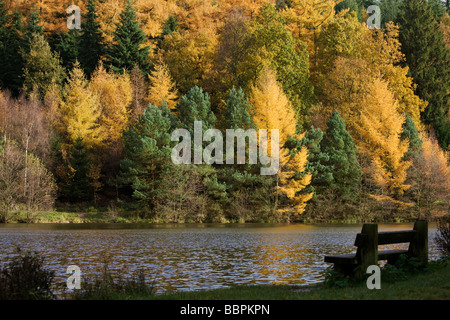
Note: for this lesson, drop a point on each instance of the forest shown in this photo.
(86, 114)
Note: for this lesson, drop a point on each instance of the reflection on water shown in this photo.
(190, 257)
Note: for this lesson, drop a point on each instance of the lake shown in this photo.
(191, 257)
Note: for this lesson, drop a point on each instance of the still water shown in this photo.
(190, 257)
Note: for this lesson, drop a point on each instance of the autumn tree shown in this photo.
(305, 19)
(272, 44)
(36, 195)
(189, 56)
(273, 110)
(379, 138)
(79, 111)
(430, 181)
(162, 88)
(114, 95)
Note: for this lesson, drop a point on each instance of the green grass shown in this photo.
(431, 284)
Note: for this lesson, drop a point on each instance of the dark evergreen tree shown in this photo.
(147, 150)
(196, 106)
(33, 26)
(126, 51)
(238, 114)
(10, 42)
(91, 49)
(67, 44)
(428, 59)
(318, 162)
(340, 147)
(169, 27)
(80, 185)
(410, 132)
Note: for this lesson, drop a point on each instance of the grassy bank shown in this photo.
(433, 283)
(102, 215)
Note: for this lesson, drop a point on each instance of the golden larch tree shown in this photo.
(79, 111)
(378, 137)
(162, 87)
(115, 94)
(273, 110)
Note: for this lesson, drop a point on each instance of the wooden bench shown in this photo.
(367, 253)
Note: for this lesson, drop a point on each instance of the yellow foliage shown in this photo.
(378, 137)
(290, 184)
(272, 110)
(79, 111)
(162, 87)
(114, 93)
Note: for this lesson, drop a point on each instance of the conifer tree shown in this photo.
(126, 50)
(147, 152)
(238, 111)
(410, 133)
(79, 111)
(341, 150)
(91, 48)
(33, 26)
(429, 63)
(10, 43)
(273, 110)
(318, 161)
(42, 67)
(80, 184)
(196, 106)
(162, 86)
(379, 131)
(67, 44)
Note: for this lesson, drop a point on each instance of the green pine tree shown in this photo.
(196, 106)
(169, 27)
(322, 176)
(10, 42)
(340, 147)
(67, 45)
(80, 185)
(147, 151)
(91, 48)
(238, 110)
(410, 132)
(33, 26)
(42, 67)
(126, 50)
(429, 63)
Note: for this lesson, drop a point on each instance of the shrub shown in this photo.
(25, 278)
(106, 287)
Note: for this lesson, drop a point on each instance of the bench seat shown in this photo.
(351, 257)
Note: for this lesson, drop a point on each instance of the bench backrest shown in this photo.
(389, 237)
(369, 239)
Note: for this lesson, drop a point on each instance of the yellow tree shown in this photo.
(79, 111)
(114, 94)
(273, 110)
(162, 87)
(378, 138)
